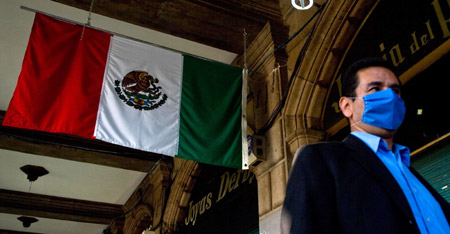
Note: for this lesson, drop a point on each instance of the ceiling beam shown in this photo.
(219, 23)
(3, 231)
(75, 148)
(36, 205)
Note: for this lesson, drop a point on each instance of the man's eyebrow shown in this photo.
(379, 83)
(375, 83)
(395, 86)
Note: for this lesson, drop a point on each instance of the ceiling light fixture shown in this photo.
(302, 4)
(33, 172)
(27, 221)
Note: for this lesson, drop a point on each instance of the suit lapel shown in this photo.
(370, 162)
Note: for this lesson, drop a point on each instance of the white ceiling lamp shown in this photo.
(302, 4)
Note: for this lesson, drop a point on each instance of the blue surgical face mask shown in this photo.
(384, 109)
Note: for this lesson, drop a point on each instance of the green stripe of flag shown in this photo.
(210, 113)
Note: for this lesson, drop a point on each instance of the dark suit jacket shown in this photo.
(342, 187)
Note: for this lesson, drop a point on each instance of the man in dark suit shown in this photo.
(364, 184)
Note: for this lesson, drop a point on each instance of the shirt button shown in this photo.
(410, 221)
(428, 219)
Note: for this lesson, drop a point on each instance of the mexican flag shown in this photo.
(85, 82)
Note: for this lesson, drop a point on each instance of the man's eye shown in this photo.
(374, 89)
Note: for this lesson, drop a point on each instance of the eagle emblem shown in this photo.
(138, 89)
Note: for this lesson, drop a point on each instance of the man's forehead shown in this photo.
(377, 75)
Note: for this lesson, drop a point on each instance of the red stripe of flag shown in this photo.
(59, 87)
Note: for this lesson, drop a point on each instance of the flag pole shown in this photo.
(245, 152)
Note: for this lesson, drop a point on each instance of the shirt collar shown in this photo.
(375, 142)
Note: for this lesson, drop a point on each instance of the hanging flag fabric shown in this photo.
(93, 84)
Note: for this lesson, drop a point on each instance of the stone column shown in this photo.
(267, 85)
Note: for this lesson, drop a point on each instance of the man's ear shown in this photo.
(346, 105)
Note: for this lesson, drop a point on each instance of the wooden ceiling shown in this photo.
(217, 23)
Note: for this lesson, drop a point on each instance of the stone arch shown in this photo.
(336, 27)
(145, 206)
(141, 219)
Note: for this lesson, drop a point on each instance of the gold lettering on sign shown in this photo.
(248, 176)
(223, 191)
(231, 182)
(442, 21)
(198, 208)
(395, 54)
(414, 47)
(430, 32)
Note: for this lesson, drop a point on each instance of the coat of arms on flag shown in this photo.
(139, 90)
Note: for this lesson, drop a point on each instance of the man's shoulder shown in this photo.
(325, 149)
(324, 146)
(329, 150)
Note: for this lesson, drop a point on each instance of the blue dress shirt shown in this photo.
(426, 210)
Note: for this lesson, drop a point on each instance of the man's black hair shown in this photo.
(350, 80)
